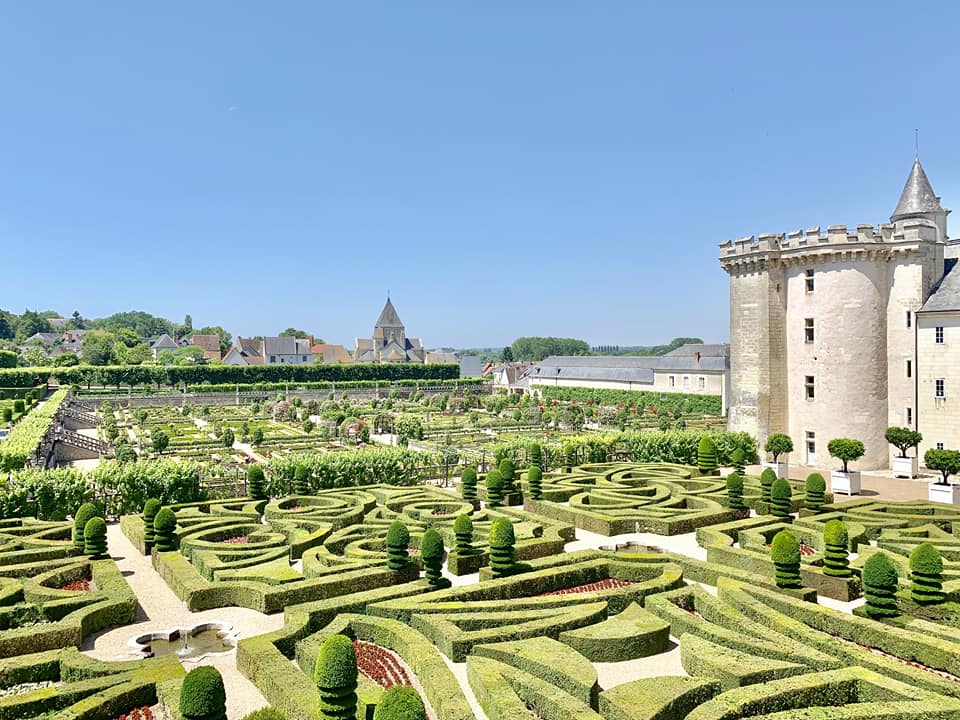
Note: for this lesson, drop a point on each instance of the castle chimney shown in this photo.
(696, 358)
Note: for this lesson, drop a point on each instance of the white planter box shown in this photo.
(948, 494)
(847, 483)
(905, 467)
(782, 469)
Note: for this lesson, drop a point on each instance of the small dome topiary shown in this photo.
(707, 455)
(165, 530)
(463, 530)
(780, 494)
(432, 552)
(534, 455)
(767, 478)
(815, 488)
(400, 702)
(785, 553)
(335, 675)
(202, 696)
(735, 492)
(508, 473)
(836, 541)
(267, 713)
(80, 519)
(926, 575)
(95, 537)
(495, 489)
(150, 509)
(301, 480)
(738, 460)
(256, 483)
(468, 483)
(535, 481)
(398, 540)
(880, 586)
(502, 554)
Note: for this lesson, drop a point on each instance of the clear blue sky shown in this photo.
(504, 168)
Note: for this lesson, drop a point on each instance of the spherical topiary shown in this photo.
(767, 478)
(95, 537)
(468, 483)
(267, 713)
(398, 540)
(816, 488)
(256, 483)
(202, 696)
(535, 455)
(165, 530)
(880, 586)
(780, 494)
(735, 492)
(508, 472)
(463, 530)
(494, 489)
(150, 509)
(836, 541)
(785, 553)
(431, 552)
(502, 554)
(738, 459)
(401, 702)
(926, 575)
(335, 675)
(535, 481)
(707, 455)
(84, 514)
(301, 480)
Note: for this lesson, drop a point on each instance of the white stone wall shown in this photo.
(938, 420)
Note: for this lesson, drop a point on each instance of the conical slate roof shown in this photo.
(389, 317)
(918, 196)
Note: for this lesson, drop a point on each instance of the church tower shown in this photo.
(389, 328)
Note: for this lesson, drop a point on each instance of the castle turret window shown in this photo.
(809, 386)
(808, 330)
(809, 279)
(938, 335)
(939, 388)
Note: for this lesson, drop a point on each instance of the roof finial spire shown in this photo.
(916, 143)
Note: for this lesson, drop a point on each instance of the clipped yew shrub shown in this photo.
(707, 455)
(165, 531)
(95, 538)
(509, 473)
(468, 483)
(569, 456)
(463, 531)
(836, 539)
(400, 702)
(785, 553)
(880, 586)
(738, 459)
(335, 675)
(780, 494)
(398, 540)
(202, 696)
(267, 713)
(301, 480)
(735, 492)
(535, 455)
(926, 575)
(815, 489)
(256, 483)
(503, 559)
(84, 514)
(150, 509)
(494, 483)
(431, 552)
(535, 481)
(767, 478)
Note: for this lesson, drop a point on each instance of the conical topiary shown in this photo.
(335, 675)
(780, 495)
(785, 553)
(534, 455)
(503, 559)
(468, 483)
(569, 457)
(509, 473)
(706, 455)
(926, 575)
(816, 488)
(535, 481)
(165, 531)
(256, 483)
(202, 695)
(880, 586)
(150, 509)
(95, 538)
(767, 478)
(735, 492)
(494, 489)
(398, 540)
(301, 480)
(463, 530)
(738, 459)
(836, 542)
(431, 552)
(80, 519)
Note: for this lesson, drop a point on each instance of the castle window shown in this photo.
(939, 390)
(701, 382)
(809, 386)
(671, 381)
(686, 382)
(808, 330)
(809, 279)
(908, 417)
(938, 335)
(909, 368)
(909, 319)
(939, 446)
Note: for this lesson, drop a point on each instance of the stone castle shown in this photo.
(846, 332)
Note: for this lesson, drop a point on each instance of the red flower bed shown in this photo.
(605, 584)
(379, 664)
(919, 666)
(807, 550)
(77, 585)
(440, 511)
(238, 540)
(140, 713)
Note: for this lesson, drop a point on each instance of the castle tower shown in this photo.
(822, 327)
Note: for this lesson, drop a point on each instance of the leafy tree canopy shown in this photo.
(142, 323)
(293, 332)
(538, 348)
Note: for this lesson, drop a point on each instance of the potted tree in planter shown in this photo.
(947, 463)
(779, 444)
(903, 438)
(846, 451)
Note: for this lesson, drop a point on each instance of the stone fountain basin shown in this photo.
(201, 640)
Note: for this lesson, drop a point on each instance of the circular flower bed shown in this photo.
(379, 664)
(139, 713)
(81, 585)
(238, 540)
